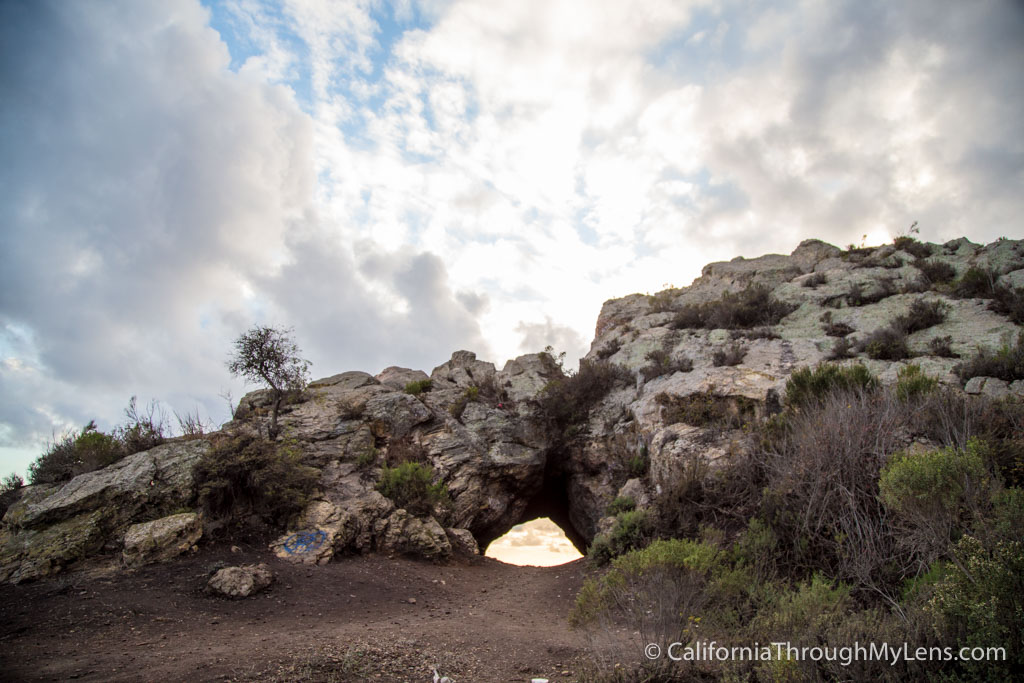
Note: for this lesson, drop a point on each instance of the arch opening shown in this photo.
(539, 542)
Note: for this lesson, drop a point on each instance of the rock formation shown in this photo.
(486, 433)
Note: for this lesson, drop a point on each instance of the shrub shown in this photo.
(887, 343)
(69, 455)
(842, 349)
(367, 458)
(662, 301)
(567, 402)
(751, 307)
(703, 409)
(1006, 363)
(912, 247)
(661, 363)
(143, 430)
(815, 280)
(912, 383)
(934, 494)
(270, 356)
(976, 283)
(620, 504)
(192, 425)
(811, 385)
(1009, 302)
(244, 480)
(410, 486)
(609, 349)
(942, 347)
(419, 386)
(633, 529)
(833, 328)
(935, 272)
(755, 333)
(9, 488)
(922, 315)
(979, 601)
(405, 449)
(730, 355)
(456, 409)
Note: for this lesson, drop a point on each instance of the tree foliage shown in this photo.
(270, 356)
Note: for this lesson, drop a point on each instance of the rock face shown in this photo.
(161, 539)
(484, 435)
(240, 582)
(51, 527)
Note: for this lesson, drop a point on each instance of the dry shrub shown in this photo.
(732, 354)
(754, 306)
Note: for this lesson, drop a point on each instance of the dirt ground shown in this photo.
(362, 618)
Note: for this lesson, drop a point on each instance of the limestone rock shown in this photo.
(240, 582)
(396, 377)
(161, 539)
(407, 535)
(988, 386)
(462, 542)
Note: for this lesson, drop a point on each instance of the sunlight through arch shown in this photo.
(538, 543)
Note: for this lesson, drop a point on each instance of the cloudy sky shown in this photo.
(400, 180)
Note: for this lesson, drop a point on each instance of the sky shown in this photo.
(537, 543)
(397, 181)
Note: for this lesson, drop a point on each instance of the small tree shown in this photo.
(269, 355)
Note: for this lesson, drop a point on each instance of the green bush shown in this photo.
(976, 283)
(808, 385)
(730, 355)
(245, 481)
(752, 307)
(912, 383)
(935, 272)
(566, 402)
(410, 486)
(1006, 363)
(887, 343)
(979, 603)
(419, 386)
(143, 430)
(9, 488)
(922, 315)
(1009, 301)
(703, 409)
(456, 409)
(662, 363)
(633, 529)
(620, 504)
(70, 455)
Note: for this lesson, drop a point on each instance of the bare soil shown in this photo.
(369, 618)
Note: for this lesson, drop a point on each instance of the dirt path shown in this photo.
(363, 618)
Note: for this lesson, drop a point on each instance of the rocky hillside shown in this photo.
(667, 387)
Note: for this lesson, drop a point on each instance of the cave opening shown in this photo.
(544, 534)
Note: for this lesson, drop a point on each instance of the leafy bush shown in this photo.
(942, 347)
(244, 481)
(934, 494)
(754, 306)
(633, 529)
(887, 343)
(620, 504)
(410, 486)
(367, 458)
(976, 283)
(935, 272)
(69, 455)
(704, 408)
(419, 386)
(808, 385)
(1009, 302)
(922, 315)
(912, 247)
(815, 280)
(1006, 363)
(730, 355)
(979, 602)
(567, 402)
(912, 383)
(456, 409)
(9, 488)
(661, 363)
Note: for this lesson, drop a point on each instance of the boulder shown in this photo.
(240, 582)
(161, 539)
(403, 534)
(988, 386)
(462, 542)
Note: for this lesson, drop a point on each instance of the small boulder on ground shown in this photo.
(240, 582)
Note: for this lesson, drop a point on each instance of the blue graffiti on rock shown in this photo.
(305, 541)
